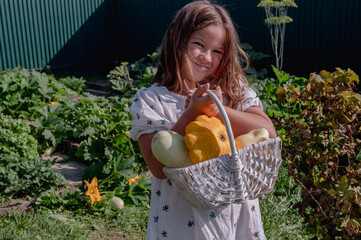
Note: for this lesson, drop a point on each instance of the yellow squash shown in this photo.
(254, 136)
(206, 138)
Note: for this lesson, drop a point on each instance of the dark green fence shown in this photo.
(35, 33)
(61, 33)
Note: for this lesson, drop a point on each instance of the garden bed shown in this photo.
(317, 118)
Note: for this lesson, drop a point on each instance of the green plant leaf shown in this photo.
(94, 170)
(282, 77)
(50, 136)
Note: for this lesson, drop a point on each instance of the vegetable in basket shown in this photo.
(169, 148)
(254, 136)
(206, 138)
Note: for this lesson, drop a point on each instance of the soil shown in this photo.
(9, 205)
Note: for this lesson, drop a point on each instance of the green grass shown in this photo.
(280, 220)
(128, 223)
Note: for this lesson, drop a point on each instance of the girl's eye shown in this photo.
(198, 43)
(218, 52)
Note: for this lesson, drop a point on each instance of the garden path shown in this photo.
(71, 170)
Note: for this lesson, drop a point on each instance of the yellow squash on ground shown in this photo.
(254, 136)
(206, 138)
(169, 148)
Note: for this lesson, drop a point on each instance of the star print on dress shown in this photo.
(138, 116)
(159, 99)
(149, 122)
(169, 182)
(135, 100)
(212, 215)
(152, 107)
(165, 208)
(162, 122)
(190, 223)
(156, 218)
(164, 234)
(255, 234)
(158, 193)
(253, 209)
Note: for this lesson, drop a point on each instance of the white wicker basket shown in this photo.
(244, 174)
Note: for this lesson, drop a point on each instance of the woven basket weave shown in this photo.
(244, 174)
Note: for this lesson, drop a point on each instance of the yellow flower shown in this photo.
(127, 133)
(93, 191)
(284, 137)
(54, 103)
(131, 180)
(113, 135)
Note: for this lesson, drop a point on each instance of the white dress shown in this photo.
(171, 216)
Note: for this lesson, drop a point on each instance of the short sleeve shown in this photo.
(250, 99)
(148, 113)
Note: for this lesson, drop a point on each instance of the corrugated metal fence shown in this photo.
(33, 33)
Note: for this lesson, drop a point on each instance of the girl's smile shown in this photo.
(205, 51)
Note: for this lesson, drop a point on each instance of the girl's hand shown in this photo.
(189, 96)
(198, 102)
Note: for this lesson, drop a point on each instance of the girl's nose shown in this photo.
(206, 57)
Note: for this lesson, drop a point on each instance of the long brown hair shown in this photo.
(193, 17)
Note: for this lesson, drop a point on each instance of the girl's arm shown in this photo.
(200, 104)
(244, 122)
(153, 164)
(241, 122)
(145, 142)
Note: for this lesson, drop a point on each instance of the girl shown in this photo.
(200, 51)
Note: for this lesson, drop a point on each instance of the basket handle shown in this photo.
(226, 121)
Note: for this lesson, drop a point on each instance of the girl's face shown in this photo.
(205, 50)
